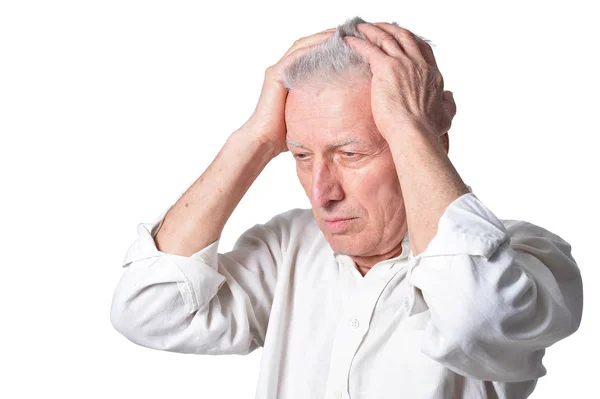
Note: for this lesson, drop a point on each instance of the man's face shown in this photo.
(345, 167)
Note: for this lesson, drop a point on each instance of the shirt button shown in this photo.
(354, 325)
(406, 304)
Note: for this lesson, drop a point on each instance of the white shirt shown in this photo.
(470, 317)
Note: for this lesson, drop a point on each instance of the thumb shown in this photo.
(449, 104)
(449, 108)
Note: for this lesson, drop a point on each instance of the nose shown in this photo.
(326, 185)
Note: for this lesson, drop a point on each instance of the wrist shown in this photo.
(254, 141)
(403, 132)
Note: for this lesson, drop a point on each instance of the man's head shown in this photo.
(344, 165)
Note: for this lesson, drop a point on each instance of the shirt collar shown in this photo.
(347, 260)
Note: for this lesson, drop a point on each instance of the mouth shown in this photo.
(336, 225)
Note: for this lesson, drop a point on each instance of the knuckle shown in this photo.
(425, 45)
(390, 64)
(386, 37)
(406, 35)
(423, 65)
(270, 70)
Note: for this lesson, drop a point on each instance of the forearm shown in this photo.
(197, 219)
(498, 292)
(429, 183)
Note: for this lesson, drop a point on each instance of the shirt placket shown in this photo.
(351, 329)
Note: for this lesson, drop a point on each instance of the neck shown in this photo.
(365, 263)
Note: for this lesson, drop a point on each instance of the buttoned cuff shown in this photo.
(201, 279)
(468, 227)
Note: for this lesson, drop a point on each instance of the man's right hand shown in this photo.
(198, 217)
(268, 119)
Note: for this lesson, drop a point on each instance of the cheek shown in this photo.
(377, 190)
(305, 179)
(377, 195)
(375, 182)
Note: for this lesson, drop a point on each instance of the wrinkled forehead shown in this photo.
(328, 100)
(319, 115)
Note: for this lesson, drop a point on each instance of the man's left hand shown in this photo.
(407, 88)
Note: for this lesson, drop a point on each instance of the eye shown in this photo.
(300, 156)
(349, 154)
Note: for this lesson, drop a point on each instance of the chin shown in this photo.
(346, 245)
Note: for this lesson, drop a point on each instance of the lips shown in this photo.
(338, 226)
(338, 219)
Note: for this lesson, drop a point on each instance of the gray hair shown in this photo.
(331, 61)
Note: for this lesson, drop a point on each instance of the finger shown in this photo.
(367, 50)
(287, 60)
(382, 39)
(407, 40)
(424, 44)
(425, 47)
(449, 103)
(310, 41)
(427, 52)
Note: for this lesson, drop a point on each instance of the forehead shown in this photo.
(332, 112)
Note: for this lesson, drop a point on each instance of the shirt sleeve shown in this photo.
(498, 294)
(207, 303)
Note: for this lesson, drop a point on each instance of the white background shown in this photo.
(109, 110)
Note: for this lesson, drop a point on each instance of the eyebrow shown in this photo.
(335, 144)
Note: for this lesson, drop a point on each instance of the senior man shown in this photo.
(399, 283)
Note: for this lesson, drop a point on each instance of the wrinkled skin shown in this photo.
(358, 179)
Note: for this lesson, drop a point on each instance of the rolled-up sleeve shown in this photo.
(499, 293)
(207, 303)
